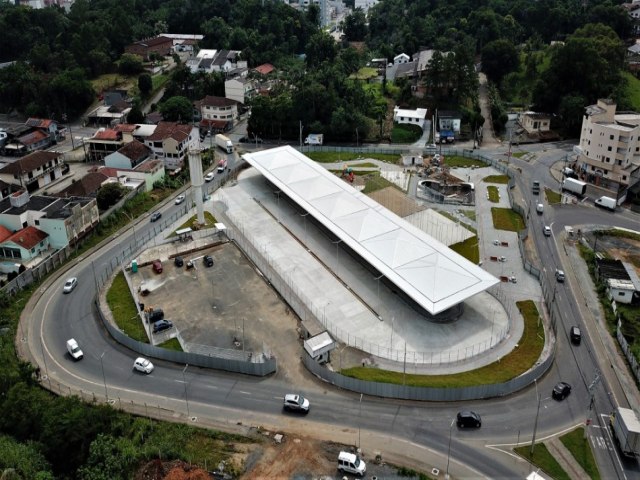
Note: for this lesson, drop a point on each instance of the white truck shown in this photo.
(574, 186)
(314, 139)
(626, 430)
(607, 202)
(224, 143)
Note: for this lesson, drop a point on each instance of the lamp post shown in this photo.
(304, 215)
(446, 475)
(186, 399)
(337, 242)
(359, 421)
(104, 379)
(535, 424)
(377, 279)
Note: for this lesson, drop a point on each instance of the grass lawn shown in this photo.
(507, 219)
(157, 81)
(496, 179)
(209, 221)
(494, 195)
(124, 309)
(365, 73)
(336, 157)
(171, 344)
(455, 161)
(376, 182)
(632, 90)
(471, 214)
(543, 459)
(364, 165)
(403, 133)
(518, 154)
(111, 80)
(468, 249)
(508, 367)
(580, 448)
(552, 196)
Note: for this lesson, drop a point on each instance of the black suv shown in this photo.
(468, 419)
(561, 391)
(161, 325)
(208, 260)
(576, 335)
(178, 261)
(155, 315)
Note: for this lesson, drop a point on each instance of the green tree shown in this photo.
(177, 109)
(130, 64)
(109, 194)
(145, 84)
(321, 48)
(354, 26)
(109, 459)
(25, 459)
(499, 58)
(135, 114)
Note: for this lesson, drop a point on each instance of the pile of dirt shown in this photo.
(174, 470)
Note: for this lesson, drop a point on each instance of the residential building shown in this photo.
(240, 89)
(414, 117)
(112, 97)
(210, 61)
(217, 114)
(401, 58)
(35, 134)
(104, 142)
(109, 115)
(25, 244)
(534, 122)
(365, 5)
(65, 220)
(623, 284)
(128, 156)
(87, 186)
(449, 125)
(33, 171)
(159, 45)
(609, 150)
(264, 69)
(170, 141)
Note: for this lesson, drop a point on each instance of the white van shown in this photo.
(351, 463)
(540, 208)
(74, 349)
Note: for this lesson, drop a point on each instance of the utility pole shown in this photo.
(591, 389)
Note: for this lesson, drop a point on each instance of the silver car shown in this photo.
(143, 365)
(70, 284)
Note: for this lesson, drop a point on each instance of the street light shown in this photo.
(304, 215)
(186, 399)
(337, 242)
(104, 379)
(446, 475)
(377, 279)
(359, 421)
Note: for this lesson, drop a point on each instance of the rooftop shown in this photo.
(29, 162)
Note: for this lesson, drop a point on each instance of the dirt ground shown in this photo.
(393, 199)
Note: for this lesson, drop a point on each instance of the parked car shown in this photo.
(155, 216)
(157, 266)
(468, 419)
(162, 325)
(296, 403)
(351, 463)
(178, 261)
(143, 365)
(70, 284)
(155, 315)
(180, 199)
(74, 349)
(208, 260)
(547, 231)
(561, 391)
(208, 177)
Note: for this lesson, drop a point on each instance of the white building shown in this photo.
(414, 117)
(240, 89)
(609, 144)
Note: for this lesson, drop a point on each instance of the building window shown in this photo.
(609, 148)
(621, 294)
(624, 177)
(37, 222)
(610, 137)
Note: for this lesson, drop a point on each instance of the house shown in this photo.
(534, 122)
(45, 125)
(609, 151)
(5, 189)
(448, 125)
(183, 42)
(87, 186)
(401, 58)
(157, 45)
(109, 115)
(127, 130)
(35, 134)
(217, 114)
(142, 176)
(264, 69)
(153, 118)
(209, 61)
(240, 89)
(65, 220)
(170, 141)
(412, 158)
(413, 117)
(623, 284)
(104, 142)
(112, 97)
(364, 5)
(33, 171)
(25, 244)
(129, 156)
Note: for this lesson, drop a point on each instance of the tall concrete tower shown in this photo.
(197, 180)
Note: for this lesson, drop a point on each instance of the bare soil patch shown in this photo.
(396, 201)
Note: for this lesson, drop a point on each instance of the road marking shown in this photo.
(246, 393)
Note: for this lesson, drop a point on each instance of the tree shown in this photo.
(321, 48)
(145, 84)
(130, 64)
(499, 58)
(108, 195)
(135, 114)
(354, 26)
(25, 460)
(177, 109)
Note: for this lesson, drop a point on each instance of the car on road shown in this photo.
(208, 177)
(143, 365)
(178, 261)
(155, 216)
(547, 231)
(575, 334)
(74, 349)
(208, 260)
(295, 403)
(162, 325)
(468, 419)
(561, 391)
(559, 275)
(180, 199)
(69, 285)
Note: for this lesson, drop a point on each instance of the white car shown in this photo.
(296, 403)
(70, 284)
(547, 231)
(180, 199)
(208, 177)
(74, 349)
(143, 365)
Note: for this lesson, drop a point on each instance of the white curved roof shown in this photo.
(428, 271)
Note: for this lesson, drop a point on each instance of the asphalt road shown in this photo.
(225, 399)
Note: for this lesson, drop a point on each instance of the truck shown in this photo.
(222, 165)
(574, 186)
(607, 202)
(224, 143)
(535, 187)
(314, 139)
(626, 430)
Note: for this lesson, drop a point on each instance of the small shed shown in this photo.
(319, 347)
(412, 158)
